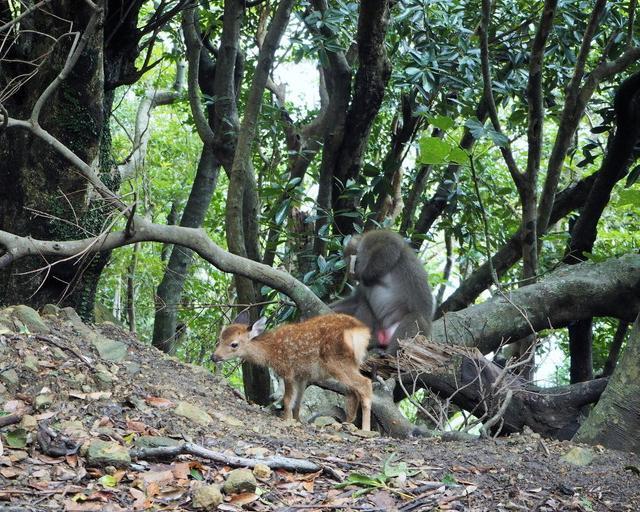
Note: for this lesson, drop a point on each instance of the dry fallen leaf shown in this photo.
(136, 426)
(243, 499)
(160, 403)
(10, 472)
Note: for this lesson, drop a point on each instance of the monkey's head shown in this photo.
(236, 340)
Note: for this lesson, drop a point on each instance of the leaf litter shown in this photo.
(106, 437)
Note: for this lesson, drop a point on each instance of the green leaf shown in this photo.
(476, 128)
(433, 150)
(458, 156)
(498, 139)
(108, 481)
(633, 176)
(16, 438)
(442, 122)
(362, 480)
(449, 479)
(196, 475)
(629, 197)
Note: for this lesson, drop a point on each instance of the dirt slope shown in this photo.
(79, 403)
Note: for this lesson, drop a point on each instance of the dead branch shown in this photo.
(275, 462)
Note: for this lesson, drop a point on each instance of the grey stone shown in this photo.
(154, 442)
(31, 319)
(10, 377)
(109, 350)
(240, 480)
(324, 421)
(132, 368)
(43, 401)
(107, 453)
(193, 413)
(262, 472)
(50, 309)
(578, 456)
(206, 497)
(31, 362)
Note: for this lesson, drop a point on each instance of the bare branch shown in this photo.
(196, 239)
(25, 13)
(488, 93)
(194, 47)
(142, 132)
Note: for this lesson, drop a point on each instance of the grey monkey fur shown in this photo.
(392, 288)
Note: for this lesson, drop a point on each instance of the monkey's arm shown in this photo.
(348, 305)
(356, 305)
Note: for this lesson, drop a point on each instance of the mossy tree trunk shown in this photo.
(615, 419)
(41, 194)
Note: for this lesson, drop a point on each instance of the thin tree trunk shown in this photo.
(616, 347)
(170, 289)
(131, 283)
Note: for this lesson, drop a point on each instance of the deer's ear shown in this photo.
(243, 318)
(257, 328)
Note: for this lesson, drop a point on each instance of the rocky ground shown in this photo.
(91, 419)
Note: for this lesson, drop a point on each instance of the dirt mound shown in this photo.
(95, 420)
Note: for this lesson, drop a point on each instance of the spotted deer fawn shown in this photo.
(323, 347)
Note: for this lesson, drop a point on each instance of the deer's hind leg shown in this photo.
(360, 389)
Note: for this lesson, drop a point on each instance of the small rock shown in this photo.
(154, 442)
(257, 451)
(109, 350)
(73, 428)
(240, 480)
(18, 456)
(132, 368)
(6, 327)
(31, 362)
(206, 497)
(43, 401)
(105, 453)
(193, 413)
(28, 422)
(366, 434)
(105, 377)
(324, 421)
(457, 435)
(63, 474)
(10, 377)
(578, 456)
(31, 319)
(262, 471)
(50, 309)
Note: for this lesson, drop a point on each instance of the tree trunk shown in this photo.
(131, 286)
(584, 230)
(616, 346)
(480, 387)
(615, 419)
(41, 194)
(576, 292)
(170, 289)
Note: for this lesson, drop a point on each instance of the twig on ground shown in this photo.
(276, 462)
(62, 346)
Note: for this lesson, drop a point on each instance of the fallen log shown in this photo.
(477, 385)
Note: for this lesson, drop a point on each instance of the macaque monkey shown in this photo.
(393, 296)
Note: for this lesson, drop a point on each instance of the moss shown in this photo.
(75, 120)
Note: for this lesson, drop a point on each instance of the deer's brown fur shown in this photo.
(323, 347)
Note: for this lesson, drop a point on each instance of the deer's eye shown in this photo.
(234, 344)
